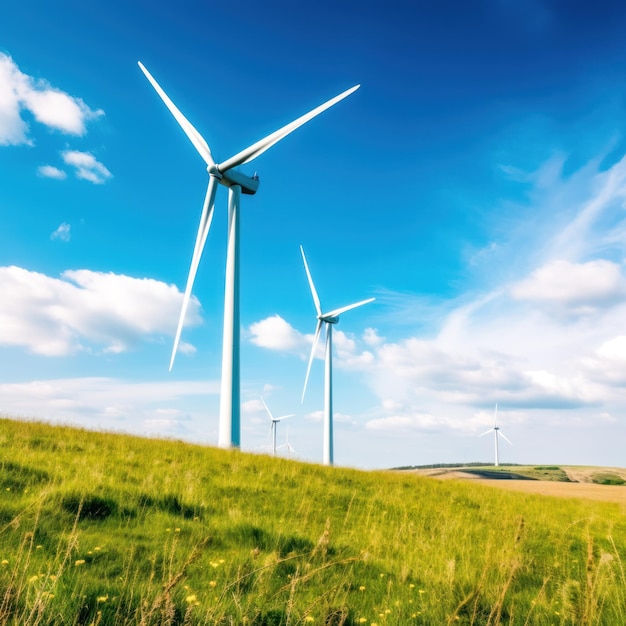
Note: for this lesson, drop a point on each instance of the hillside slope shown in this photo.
(97, 528)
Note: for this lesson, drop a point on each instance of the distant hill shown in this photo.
(560, 473)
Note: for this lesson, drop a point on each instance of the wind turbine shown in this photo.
(274, 421)
(328, 319)
(496, 432)
(287, 445)
(237, 182)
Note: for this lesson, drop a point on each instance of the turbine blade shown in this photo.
(486, 432)
(318, 328)
(495, 416)
(267, 409)
(203, 231)
(343, 309)
(195, 137)
(503, 436)
(316, 299)
(261, 146)
(284, 417)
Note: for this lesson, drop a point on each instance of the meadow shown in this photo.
(99, 528)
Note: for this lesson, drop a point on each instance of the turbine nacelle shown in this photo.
(249, 185)
(329, 319)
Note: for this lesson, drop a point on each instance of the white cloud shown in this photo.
(614, 349)
(62, 232)
(577, 285)
(146, 407)
(275, 333)
(61, 316)
(49, 171)
(49, 106)
(404, 423)
(372, 338)
(87, 166)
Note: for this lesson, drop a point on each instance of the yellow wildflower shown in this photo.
(38, 547)
(362, 588)
(176, 530)
(33, 579)
(212, 584)
(191, 599)
(79, 562)
(309, 618)
(100, 599)
(5, 561)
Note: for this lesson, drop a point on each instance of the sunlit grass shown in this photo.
(98, 528)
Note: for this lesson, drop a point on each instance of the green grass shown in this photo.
(97, 528)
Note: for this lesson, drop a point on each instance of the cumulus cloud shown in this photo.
(580, 286)
(49, 171)
(62, 232)
(275, 333)
(48, 105)
(86, 166)
(82, 309)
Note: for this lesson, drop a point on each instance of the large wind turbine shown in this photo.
(274, 421)
(496, 432)
(237, 182)
(327, 319)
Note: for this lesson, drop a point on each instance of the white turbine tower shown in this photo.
(328, 319)
(496, 433)
(237, 182)
(274, 421)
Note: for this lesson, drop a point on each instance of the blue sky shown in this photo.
(475, 185)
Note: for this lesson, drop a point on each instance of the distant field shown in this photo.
(595, 483)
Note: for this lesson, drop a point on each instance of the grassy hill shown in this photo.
(97, 528)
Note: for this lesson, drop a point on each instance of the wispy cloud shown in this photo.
(49, 171)
(49, 106)
(84, 309)
(62, 233)
(87, 167)
(544, 337)
(147, 407)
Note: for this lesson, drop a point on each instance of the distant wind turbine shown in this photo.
(328, 319)
(274, 423)
(237, 182)
(290, 449)
(496, 432)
